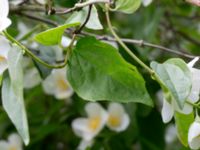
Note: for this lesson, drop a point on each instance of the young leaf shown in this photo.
(81, 16)
(12, 94)
(176, 77)
(183, 123)
(98, 72)
(127, 6)
(53, 36)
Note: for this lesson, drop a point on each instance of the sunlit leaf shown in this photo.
(53, 36)
(176, 77)
(183, 123)
(127, 6)
(12, 94)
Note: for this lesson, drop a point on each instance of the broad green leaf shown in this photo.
(183, 123)
(176, 77)
(53, 36)
(81, 16)
(12, 94)
(98, 72)
(127, 6)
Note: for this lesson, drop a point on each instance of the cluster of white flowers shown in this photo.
(169, 107)
(115, 118)
(14, 143)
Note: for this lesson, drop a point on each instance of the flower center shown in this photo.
(12, 148)
(94, 123)
(62, 85)
(2, 58)
(114, 121)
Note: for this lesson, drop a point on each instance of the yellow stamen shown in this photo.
(94, 123)
(12, 148)
(2, 58)
(62, 84)
(114, 121)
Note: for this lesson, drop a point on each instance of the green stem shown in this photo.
(124, 45)
(192, 104)
(37, 59)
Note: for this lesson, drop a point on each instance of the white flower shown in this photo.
(170, 134)
(146, 2)
(194, 134)
(65, 41)
(56, 84)
(84, 144)
(4, 10)
(14, 143)
(118, 119)
(169, 107)
(4, 48)
(88, 128)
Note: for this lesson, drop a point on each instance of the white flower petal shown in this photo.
(194, 135)
(4, 23)
(194, 95)
(15, 141)
(4, 8)
(81, 129)
(48, 85)
(97, 115)
(146, 2)
(65, 41)
(84, 144)
(3, 145)
(187, 109)
(170, 134)
(31, 78)
(192, 62)
(4, 47)
(3, 66)
(63, 89)
(167, 111)
(118, 120)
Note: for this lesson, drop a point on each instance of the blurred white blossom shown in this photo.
(4, 49)
(170, 106)
(194, 134)
(170, 134)
(118, 119)
(88, 128)
(146, 2)
(4, 10)
(14, 143)
(56, 84)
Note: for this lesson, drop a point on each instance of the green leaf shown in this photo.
(176, 77)
(53, 36)
(98, 72)
(127, 6)
(12, 94)
(183, 123)
(80, 16)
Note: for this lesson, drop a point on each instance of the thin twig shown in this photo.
(86, 20)
(81, 5)
(108, 38)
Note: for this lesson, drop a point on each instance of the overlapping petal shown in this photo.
(118, 119)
